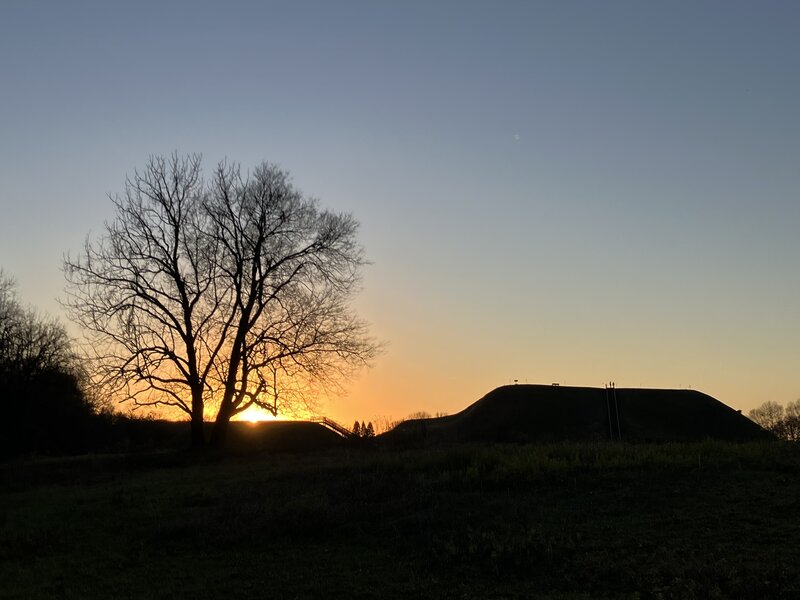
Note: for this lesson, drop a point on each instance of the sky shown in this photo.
(562, 191)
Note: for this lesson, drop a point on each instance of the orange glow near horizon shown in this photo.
(254, 414)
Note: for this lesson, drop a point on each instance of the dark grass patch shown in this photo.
(709, 520)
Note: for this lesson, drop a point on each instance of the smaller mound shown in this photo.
(242, 436)
(280, 436)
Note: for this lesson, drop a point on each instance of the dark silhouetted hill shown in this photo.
(280, 436)
(123, 434)
(544, 413)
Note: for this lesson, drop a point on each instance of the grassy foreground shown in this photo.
(707, 520)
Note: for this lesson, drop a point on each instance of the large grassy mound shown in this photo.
(527, 413)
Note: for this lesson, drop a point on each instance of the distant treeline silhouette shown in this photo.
(361, 430)
(783, 422)
(44, 407)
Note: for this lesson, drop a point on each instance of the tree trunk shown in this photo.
(220, 432)
(197, 425)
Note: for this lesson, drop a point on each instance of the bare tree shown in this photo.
(42, 403)
(222, 294)
(30, 344)
(420, 414)
(770, 416)
(385, 423)
(791, 419)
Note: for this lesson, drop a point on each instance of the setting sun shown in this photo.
(254, 414)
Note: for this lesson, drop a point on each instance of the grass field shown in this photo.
(709, 520)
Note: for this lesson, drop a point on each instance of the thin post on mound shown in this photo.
(612, 408)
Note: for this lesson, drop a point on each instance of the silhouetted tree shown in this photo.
(357, 429)
(42, 404)
(385, 423)
(420, 414)
(370, 432)
(791, 416)
(225, 293)
(770, 416)
(784, 423)
(29, 344)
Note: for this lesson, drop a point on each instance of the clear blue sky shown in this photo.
(549, 191)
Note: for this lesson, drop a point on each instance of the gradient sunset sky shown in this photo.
(570, 192)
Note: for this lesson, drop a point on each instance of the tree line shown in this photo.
(361, 430)
(43, 398)
(784, 422)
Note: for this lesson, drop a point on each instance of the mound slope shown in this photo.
(280, 436)
(527, 413)
(243, 436)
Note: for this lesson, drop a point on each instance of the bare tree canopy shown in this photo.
(42, 403)
(784, 423)
(30, 344)
(228, 293)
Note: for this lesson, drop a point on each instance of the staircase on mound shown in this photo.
(333, 426)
